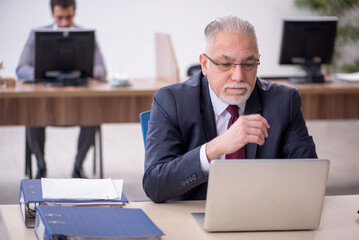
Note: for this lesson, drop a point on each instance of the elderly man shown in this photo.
(225, 112)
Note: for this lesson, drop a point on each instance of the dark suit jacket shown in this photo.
(182, 120)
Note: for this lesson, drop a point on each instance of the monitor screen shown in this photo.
(308, 42)
(64, 57)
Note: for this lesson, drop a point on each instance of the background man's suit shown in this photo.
(182, 120)
(36, 136)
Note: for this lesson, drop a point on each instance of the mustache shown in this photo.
(236, 85)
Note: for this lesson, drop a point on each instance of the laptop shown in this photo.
(264, 195)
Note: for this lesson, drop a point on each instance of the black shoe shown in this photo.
(78, 174)
(41, 173)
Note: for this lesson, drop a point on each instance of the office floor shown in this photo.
(123, 154)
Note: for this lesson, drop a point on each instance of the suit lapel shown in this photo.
(253, 106)
(207, 114)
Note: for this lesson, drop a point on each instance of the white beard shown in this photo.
(237, 99)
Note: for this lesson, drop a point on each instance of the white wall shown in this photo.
(125, 29)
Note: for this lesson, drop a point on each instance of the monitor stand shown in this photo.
(313, 73)
(67, 79)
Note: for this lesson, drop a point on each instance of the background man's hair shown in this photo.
(62, 4)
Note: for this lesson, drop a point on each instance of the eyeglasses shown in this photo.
(247, 66)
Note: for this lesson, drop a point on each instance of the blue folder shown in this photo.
(58, 222)
(31, 198)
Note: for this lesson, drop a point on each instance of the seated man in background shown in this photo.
(189, 120)
(63, 13)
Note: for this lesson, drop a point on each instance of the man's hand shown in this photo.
(247, 129)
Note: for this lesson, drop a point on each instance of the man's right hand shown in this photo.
(247, 129)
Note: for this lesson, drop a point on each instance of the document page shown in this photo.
(76, 188)
(350, 77)
(118, 184)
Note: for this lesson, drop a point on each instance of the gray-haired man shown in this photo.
(189, 121)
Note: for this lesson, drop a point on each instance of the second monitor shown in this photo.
(308, 42)
(64, 57)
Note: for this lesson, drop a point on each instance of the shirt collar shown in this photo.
(55, 27)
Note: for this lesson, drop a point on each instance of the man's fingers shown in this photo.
(255, 139)
(254, 124)
(257, 126)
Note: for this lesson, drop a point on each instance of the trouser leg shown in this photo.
(36, 139)
(85, 141)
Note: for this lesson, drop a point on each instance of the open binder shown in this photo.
(57, 222)
(31, 198)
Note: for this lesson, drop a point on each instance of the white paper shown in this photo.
(350, 77)
(77, 188)
(118, 183)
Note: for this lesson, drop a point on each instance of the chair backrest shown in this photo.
(192, 70)
(144, 118)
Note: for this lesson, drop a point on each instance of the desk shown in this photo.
(37, 105)
(339, 221)
(331, 100)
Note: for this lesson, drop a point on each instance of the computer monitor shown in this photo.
(64, 57)
(308, 42)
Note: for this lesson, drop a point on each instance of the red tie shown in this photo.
(233, 110)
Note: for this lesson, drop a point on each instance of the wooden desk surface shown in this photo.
(339, 221)
(37, 105)
(144, 86)
(329, 87)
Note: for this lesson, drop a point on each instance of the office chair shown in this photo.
(144, 118)
(192, 70)
(97, 147)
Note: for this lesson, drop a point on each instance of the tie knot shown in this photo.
(233, 110)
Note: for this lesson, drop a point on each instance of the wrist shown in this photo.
(213, 149)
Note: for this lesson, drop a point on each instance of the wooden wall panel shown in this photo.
(85, 111)
(35, 105)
